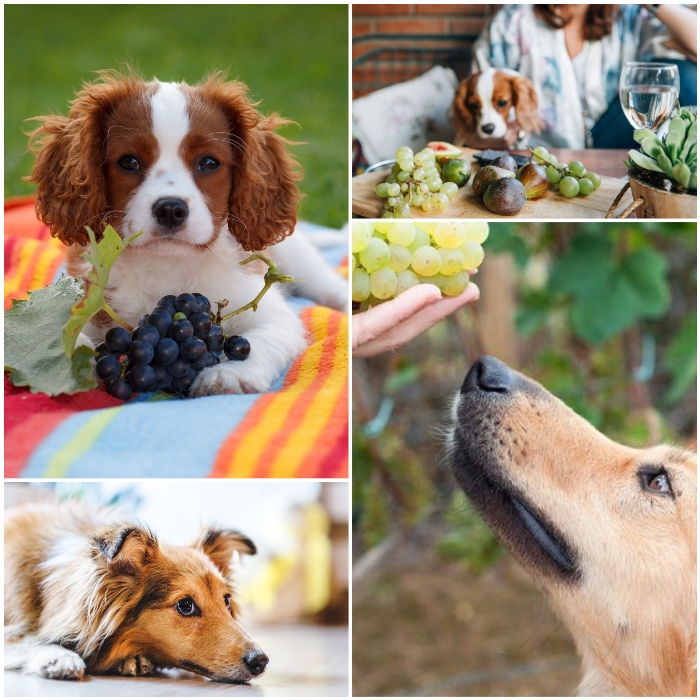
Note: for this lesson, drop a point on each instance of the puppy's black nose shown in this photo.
(490, 375)
(256, 662)
(488, 128)
(170, 212)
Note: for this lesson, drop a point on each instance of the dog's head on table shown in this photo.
(171, 605)
(607, 530)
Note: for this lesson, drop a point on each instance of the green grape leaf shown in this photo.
(102, 256)
(34, 353)
(681, 360)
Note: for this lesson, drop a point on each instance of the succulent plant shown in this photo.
(676, 156)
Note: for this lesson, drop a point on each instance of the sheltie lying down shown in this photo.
(608, 531)
(85, 592)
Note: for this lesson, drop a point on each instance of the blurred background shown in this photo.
(293, 592)
(604, 316)
(293, 57)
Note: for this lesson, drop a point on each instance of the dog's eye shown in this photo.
(227, 600)
(207, 164)
(656, 480)
(129, 163)
(474, 106)
(186, 607)
(502, 103)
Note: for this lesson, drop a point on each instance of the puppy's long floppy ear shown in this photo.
(219, 546)
(463, 120)
(526, 112)
(264, 196)
(70, 151)
(125, 548)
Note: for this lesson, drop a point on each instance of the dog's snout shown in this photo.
(488, 128)
(170, 212)
(488, 374)
(256, 662)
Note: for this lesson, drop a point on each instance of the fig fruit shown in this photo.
(505, 196)
(486, 175)
(534, 177)
(456, 170)
(444, 150)
(506, 162)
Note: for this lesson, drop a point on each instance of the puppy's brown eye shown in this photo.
(502, 103)
(227, 600)
(207, 164)
(129, 163)
(656, 480)
(186, 607)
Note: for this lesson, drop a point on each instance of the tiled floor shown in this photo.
(305, 661)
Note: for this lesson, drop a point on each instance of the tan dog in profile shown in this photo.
(608, 531)
(85, 592)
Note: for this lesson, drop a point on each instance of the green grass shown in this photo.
(293, 57)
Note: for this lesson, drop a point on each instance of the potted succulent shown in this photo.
(664, 173)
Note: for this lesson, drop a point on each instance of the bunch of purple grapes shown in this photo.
(167, 350)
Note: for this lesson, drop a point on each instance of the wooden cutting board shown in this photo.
(466, 205)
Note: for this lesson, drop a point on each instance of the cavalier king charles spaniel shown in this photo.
(207, 179)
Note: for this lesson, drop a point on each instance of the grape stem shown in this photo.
(113, 314)
(271, 276)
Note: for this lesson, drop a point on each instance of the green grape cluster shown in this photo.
(390, 257)
(571, 179)
(414, 181)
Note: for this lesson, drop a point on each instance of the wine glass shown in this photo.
(649, 93)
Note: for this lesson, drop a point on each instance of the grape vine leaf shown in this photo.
(102, 256)
(34, 352)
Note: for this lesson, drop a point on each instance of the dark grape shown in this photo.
(147, 333)
(193, 350)
(209, 360)
(201, 322)
(142, 378)
(167, 299)
(183, 384)
(180, 331)
(215, 339)
(143, 320)
(178, 368)
(186, 303)
(108, 368)
(168, 308)
(163, 377)
(117, 339)
(103, 351)
(166, 351)
(161, 321)
(202, 303)
(236, 348)
(140, 353)
(119, 389)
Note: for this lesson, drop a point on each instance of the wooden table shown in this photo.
(607, 163)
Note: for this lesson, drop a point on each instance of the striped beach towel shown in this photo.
(298, 429)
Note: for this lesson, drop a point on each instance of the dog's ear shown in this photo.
(219, 546)
(125, 548)
(463, 120)
(71, 190)
(525, 100)
(264, 195)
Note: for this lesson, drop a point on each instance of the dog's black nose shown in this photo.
(490, 375)
(488, 128)
(256, 662)
(170, 212)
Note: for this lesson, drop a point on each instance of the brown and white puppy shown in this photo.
(487, 103)
(88, 593)
(608, 531)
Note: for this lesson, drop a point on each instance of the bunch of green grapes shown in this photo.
(571, 179)
(390, 257)
(414, 181)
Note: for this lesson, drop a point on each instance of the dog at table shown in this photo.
(608, 531)
(208, 180)
(87, 592)
(487, 103)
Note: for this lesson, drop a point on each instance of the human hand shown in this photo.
(388, 326)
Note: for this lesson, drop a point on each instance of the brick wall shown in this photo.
(396, 20)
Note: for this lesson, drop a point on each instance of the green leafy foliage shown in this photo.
(34, 352)
(682, 359)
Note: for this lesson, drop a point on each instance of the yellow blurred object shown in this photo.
(316, 548)
(262, 591)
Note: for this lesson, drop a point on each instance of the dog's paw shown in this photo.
(135, 666)
(230, 378)
(57, 662)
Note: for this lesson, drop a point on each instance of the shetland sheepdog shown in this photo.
(86, 592)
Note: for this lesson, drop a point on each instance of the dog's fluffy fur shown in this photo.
(608, 531)
(88, 592)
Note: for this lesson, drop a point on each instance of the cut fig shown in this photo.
(444, 150)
